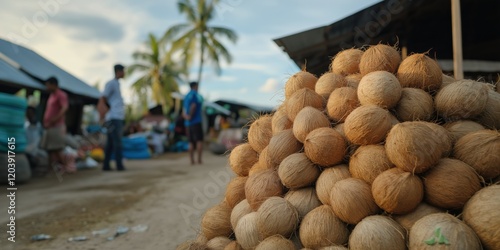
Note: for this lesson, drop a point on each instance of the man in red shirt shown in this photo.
(53, 139)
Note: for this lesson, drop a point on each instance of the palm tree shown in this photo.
(160, 74)
(197, 35)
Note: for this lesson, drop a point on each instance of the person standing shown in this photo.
(192, 114)
(112, 110)
(54, 118)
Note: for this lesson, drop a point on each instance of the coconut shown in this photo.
(379, 88)
(420, 71)
(415, 105)
(460, 128)
(299, 80)
(280, 121)
(443, 134)
(481, 213)
(397, 191)
(353, 80)
(277, 216)
(368, 162)
(379, 57)
(450, 184)
(346, 62)
(442, 231)
(276, 242)
(334, 248)
(301, 99)
(234, 245)
(246, 231)
(325, 147)
(367, 125)
(282, 145)
(328, 82)
(423, 209)
(216, 222)
(262, 185)
(414, 146)
(304, 200)
(307, 120)
(242, 158)
(240, 210)
(191, 245)
(377, 232)
(491, 114)
(351, 200)
(447, 80)
(218, 243)
(260, 133)
(298, 171)
(327, 179)
(321, 228)
(461, 100)
(264, 162)
(480, 150)
(235, 191)
(341, 103)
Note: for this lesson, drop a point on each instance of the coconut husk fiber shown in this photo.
(353, 80)
(304, 200)
(307, 120)
(241, 209)
(377, 232)
(246, 231)
(463, 99)
(277, 216)
(282, 145)
(447, 80)
(460, 128)
(346, 62)
(234, 245)
(443, 134)
(280, 121)
(264, 162)
(276, 242)
(321, 228)
(334, 248)
(218, 243)
(327, 179)
(191, 245)
(235, 191)
(216, 222)
(367, 125)
(299, 80)
(368, 162)
(423, 209)
(379, 57)
(325, 147)
(481, 213)
(328, 82)
(490, 117)
(301, 99)
(242, 158)
(420, 71)
(262, 185)
(379, 88)
(297, 171)
(260, 133)
(415, 105)
(480, 150)
(341, 103)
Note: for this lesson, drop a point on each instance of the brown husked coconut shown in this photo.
(333, 248)
(379, 88)
(341, 103)
(218, 243)
(280, 121)
(298, 171)
(264, 162)
(276, 242)
(246, 231)
(242, 158)
(491, 114)
(262, 185)
(447, 80)
(346, 62)
(450, 184)
(415, 105)
(321, 228)
(461, 100)
(260, 133)
(420, 71)
(327, 179)
(241, 209)
(301, 99)
(328, 82)
(282, 145)
(304, 200)
(191, 245)
(368, 162)
(235, 191)
(397, 191)
(414, 146)
(367, 125)
(307, 120)
(299, 80)
(216, 222)
(379, 57)
(482, 214)
(277, 216)
(441, 132)
(353, 80)
(377, 232)
(423, 209)
(234, 245)
(394, 120)
(442, 231)
(200, 238)
(460, 128)
(351, 200)
(325, 147)
(480, 150)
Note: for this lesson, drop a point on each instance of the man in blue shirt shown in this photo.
(192, 115)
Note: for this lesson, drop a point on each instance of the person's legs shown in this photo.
(192, 143)
(199, 141)
(199, 148)
(117, 142)
(108, 150)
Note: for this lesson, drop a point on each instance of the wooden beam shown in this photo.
(456, 24)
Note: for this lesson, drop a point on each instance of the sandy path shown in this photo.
(165, 194)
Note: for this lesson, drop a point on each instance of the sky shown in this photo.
(86, 38)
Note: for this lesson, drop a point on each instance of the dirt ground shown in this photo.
(165, 194)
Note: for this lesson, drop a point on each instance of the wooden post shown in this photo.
(456, 24)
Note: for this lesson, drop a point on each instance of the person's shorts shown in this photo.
(54, 139)
(195, 133)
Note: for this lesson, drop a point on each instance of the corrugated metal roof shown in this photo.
(10, 75)
(41, 68)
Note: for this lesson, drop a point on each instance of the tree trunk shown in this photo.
(202, 59)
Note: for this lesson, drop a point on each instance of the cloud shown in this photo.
(90, 27)
(271, 85)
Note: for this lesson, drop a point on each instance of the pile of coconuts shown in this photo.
(379, 152)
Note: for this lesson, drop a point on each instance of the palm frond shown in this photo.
(174, 31)
(185, 6)
(224, 32)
